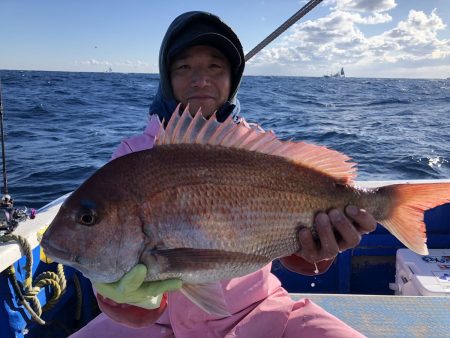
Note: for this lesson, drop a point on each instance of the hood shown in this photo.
(187, 30)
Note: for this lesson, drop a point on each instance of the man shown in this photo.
(201, 66)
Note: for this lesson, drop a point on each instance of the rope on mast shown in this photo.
(288, 23)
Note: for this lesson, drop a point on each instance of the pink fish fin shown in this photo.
(261, 141)
(322, 159)
(318, 158)
(165, 134)
(245, 138)
(222, 131)
(229, 134)
(209, 297)
(191, 131)
(161, 134)
(171, 125)
(207, 129)
(180, 128)
(269, 146)
(233, 134)
(197, 129)
(409, 202)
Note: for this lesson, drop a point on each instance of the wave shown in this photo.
(58, 134)
(75, 101)
(389, 101)
(38, 109)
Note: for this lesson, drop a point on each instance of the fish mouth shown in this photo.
(89, 268)
(58, 254)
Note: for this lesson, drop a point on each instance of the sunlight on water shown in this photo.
(436, 161)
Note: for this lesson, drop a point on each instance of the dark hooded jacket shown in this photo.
(177, 34)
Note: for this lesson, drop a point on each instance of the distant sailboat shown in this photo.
(109, 70)
(338, 74)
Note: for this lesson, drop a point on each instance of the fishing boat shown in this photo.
(338, 74)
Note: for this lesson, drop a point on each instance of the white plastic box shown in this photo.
(418, 275)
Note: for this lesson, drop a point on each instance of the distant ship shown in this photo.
(109, 70)
(338, 74)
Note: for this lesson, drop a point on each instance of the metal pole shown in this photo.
(288, 23)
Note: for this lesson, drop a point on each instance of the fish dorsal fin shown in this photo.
(187, 129)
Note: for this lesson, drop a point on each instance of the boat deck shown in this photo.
(388, 316)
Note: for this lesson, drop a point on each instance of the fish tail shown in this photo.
(405, 219)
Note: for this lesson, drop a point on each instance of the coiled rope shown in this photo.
(28, 297)
(277, 32)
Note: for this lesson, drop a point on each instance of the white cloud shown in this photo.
(319, 41)
(374, 19)
(413, 39)
(122, 65)
(133, 64)
(94, 62)
(373, 6)
(316, 47)
(418, 25)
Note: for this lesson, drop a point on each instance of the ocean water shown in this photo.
(60, 127)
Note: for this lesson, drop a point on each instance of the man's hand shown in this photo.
(131, 289)
(337, 232)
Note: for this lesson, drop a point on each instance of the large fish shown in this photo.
(213, 201)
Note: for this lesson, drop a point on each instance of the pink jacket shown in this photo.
(260, 307)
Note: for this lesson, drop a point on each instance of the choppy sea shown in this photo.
(60, 126)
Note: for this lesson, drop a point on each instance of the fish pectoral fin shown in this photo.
(209, 297)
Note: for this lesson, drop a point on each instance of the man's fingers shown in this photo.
(326, 248)
(308, 247)
(349, 236)
(133, 279)
(159, 287)
(328, 244)
(109, 291)
(365, 222)
(336, 231)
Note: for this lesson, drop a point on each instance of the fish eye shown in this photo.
(87, 217)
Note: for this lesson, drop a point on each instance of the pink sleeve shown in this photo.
(139, 142)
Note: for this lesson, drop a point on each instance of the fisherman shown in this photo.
(201, 63)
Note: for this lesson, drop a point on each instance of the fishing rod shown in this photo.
(9, 216)
(6, 198)
(277, 32)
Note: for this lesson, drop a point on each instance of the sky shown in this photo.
(369, 38)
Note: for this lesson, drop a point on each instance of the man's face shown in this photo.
(201, 77)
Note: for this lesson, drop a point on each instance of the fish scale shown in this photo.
(256, 214)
